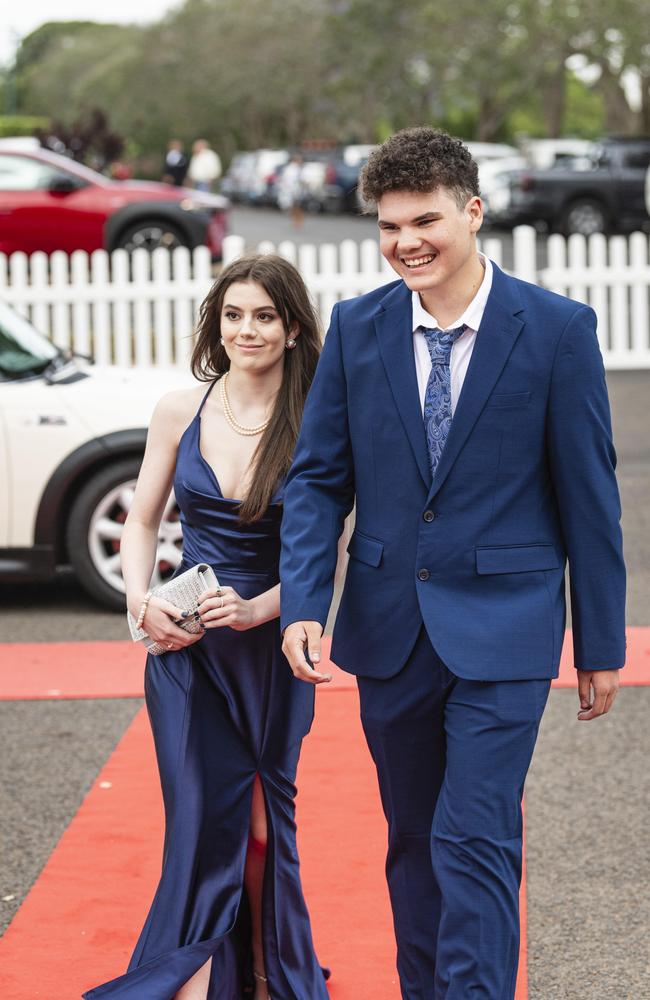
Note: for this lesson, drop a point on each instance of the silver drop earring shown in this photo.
(290, 344)
(222, 341)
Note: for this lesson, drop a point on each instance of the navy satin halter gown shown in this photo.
(222, 711)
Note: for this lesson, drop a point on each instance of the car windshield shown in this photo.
(67, 165)
(22, 348)
(601, 157)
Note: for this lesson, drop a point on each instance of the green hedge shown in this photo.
(14, 125)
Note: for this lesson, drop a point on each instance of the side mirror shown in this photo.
(63, 184)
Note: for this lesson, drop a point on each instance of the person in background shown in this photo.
(176, 163)
(205, 166)
(291, 190)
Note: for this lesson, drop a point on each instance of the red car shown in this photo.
(48, 202)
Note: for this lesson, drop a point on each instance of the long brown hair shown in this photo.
(283, 283)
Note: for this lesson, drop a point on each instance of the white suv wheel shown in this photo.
(95, 533)
(105, 536)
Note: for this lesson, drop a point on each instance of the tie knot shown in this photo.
(440, 342)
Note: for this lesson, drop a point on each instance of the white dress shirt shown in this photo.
(461, 351)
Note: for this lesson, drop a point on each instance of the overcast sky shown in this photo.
(19, 19)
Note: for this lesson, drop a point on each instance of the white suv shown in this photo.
(72, 437)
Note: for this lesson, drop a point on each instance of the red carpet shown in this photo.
(114, 669)
(79, 922)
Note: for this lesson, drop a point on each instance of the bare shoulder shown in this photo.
(176, 409)
(179, 403)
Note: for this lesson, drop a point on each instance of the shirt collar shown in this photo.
(472, 316)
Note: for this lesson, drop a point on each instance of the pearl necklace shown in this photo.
(230, 416)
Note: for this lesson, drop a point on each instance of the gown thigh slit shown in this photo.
(224, 711)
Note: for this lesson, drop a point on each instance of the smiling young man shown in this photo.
(465, 413)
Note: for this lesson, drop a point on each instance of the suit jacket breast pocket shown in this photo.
(508, 400)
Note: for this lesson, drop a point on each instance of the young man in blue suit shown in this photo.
(465, 412)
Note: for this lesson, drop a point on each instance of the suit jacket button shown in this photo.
(423, 574)
(428, 516)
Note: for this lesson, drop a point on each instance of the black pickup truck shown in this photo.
(605, 195)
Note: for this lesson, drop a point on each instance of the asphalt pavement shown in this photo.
(52, 752)
(257, 224)
(588, 852)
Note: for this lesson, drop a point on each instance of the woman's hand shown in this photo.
(224, 606)
(159, 624)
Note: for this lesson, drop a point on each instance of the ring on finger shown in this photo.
(222, 602)
(170, 645)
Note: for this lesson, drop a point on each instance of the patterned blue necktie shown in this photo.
(437, 399)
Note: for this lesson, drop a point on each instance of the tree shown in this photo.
(61, 67)
(274, 72)
(89, 139)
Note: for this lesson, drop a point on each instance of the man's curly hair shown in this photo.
(420, 159)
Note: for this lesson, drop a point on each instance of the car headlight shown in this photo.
(190, 205)
(205, 203)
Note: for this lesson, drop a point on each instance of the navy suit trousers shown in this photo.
(451, 757)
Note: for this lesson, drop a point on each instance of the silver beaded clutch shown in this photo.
(183, 591)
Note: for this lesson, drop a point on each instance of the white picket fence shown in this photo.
(613, 277)
(137, 311)
(142, 310)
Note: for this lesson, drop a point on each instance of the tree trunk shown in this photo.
(554, 101)
(645, 106)
(490, 119)
(619, 117)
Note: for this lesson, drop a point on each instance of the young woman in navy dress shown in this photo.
(228, 920)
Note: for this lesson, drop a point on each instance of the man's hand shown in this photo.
(298, 637)
(597, 690)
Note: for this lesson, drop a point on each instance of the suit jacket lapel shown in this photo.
(495, 339)
(393, 324)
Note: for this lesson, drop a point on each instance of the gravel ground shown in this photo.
(588, 853)
(51, 754)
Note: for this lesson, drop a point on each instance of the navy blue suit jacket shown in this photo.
(526, 481)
